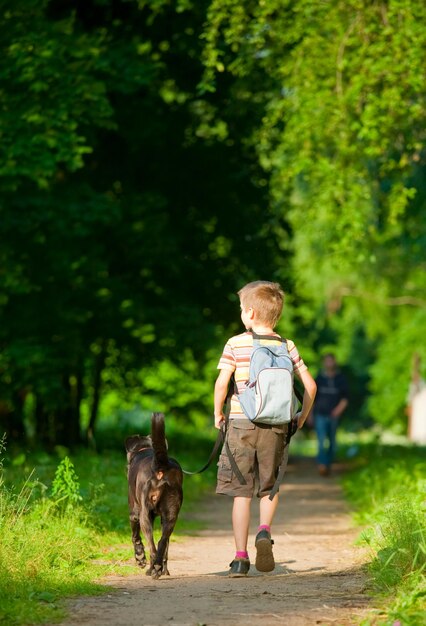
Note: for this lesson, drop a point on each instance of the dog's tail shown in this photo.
(159, 444)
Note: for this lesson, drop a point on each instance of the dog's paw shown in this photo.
(140, 557)
(157, 570)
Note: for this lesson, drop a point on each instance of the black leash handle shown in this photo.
(232, 388)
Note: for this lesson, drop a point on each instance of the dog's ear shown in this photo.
(132, 442)
(136, 442)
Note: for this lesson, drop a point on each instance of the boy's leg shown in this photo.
(272, 454)
(241, 437)
(240, 566)
(264, 555)
(267, 510)
(241, 522)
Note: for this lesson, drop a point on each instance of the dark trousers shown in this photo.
(326, 427)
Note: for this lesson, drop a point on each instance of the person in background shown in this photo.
(330, 402)
(416, 404)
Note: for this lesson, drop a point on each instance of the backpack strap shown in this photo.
(231, 390)
(234, 465)
(279, 479)
(267, 337)
(291, 429)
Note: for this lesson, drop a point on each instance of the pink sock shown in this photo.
(241, 554)
(264, 527)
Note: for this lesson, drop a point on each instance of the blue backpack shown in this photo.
(269, 396)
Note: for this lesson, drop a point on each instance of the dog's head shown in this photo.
(135, 444)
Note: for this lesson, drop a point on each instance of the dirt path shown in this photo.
(317, 579)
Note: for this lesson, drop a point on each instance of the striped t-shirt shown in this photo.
(236, 358)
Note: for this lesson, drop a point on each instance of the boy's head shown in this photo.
(266, 299)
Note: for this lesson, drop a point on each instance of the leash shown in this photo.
(219, 441)
(221, 436)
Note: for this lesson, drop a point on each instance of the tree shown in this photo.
(342, 136)
(124, 231)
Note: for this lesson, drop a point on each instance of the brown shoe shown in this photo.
(264, 555)
(323, 470)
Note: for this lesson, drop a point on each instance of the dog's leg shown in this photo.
(160, 563)
(165, 571)
(147, 525)
(137, 540)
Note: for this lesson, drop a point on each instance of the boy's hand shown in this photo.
(295, 423)
(219, 420)
(293, 426)
(298, 421)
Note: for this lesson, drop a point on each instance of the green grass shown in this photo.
(59, 535)
(388, 490)
(45, 554)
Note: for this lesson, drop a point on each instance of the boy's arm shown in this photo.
(220, 391)
(308, 396)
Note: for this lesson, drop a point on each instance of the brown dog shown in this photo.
(155, 489)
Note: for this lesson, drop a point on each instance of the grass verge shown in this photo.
(64, 523)
(388, 489)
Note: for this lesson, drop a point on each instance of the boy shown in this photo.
(258, 449)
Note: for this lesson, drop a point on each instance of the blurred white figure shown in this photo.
(416, 408)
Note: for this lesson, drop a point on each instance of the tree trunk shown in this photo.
(12, 418)
(42, 424)
(97, 382)
(67, 418)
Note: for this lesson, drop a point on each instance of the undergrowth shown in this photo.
(45, 550)
(389, 492)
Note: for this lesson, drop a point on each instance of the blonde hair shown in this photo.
(265, 298)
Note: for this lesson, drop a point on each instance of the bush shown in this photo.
(44, 550)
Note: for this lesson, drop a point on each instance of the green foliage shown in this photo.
(65, 486)
(44, 555)
(51, 91)
(341, 135)
(159, 154)
(391, 370)
(121, 227)
(389, 494)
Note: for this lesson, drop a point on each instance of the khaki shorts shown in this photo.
(259, 451)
